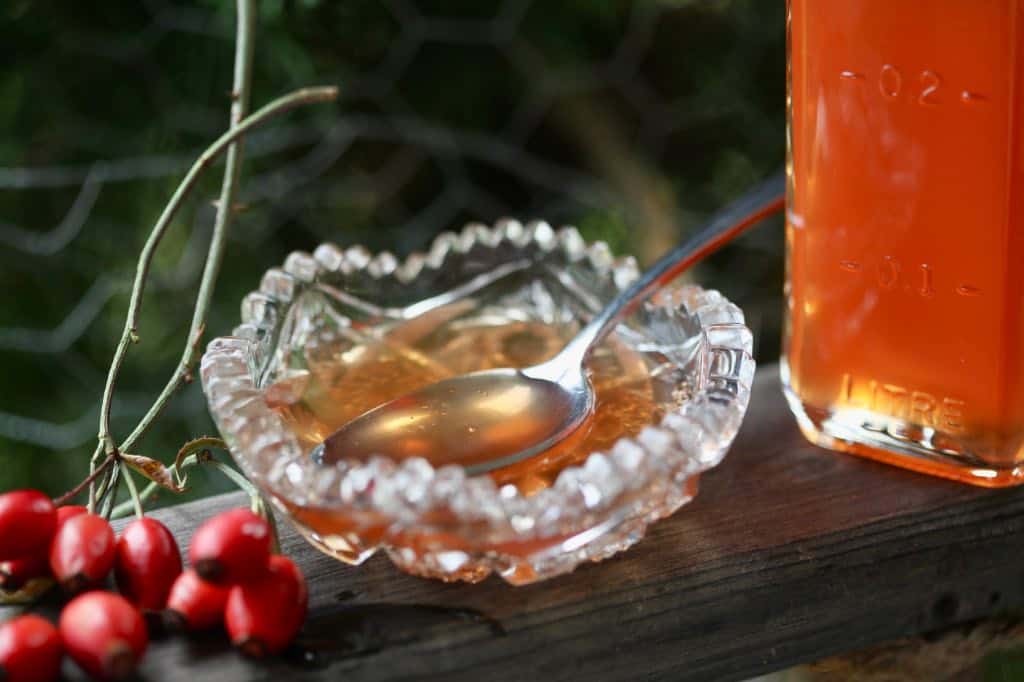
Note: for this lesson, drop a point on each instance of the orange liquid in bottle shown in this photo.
(905, 232)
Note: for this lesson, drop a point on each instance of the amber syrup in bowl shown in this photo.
(371, 374)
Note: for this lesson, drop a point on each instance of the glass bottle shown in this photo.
(905, 232)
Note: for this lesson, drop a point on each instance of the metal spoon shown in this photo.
(491, 419)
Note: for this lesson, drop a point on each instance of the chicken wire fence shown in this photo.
(630, 120)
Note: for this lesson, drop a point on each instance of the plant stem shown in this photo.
(89, 480)
(126, 508)
(192, 453)
(133, 492)
(230, 142)
(238, 479)
(199, 445)
(97, 453)
(109, 496)
(103, 488)
(130, 333)
(257, 503)
(225, 209)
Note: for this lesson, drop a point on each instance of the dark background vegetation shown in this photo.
(631, 120)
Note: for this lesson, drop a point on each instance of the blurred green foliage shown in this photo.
(629, 119)
(1004, 666)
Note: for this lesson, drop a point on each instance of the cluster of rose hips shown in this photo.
(234, 580)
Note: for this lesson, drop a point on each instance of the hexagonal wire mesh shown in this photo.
(630, 119)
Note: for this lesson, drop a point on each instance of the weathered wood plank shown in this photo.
(789, 554)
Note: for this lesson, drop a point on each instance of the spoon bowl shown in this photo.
(482, 421)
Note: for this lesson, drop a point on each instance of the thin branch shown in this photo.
(133, 492)
(230, 142)
(152, 488)
(106, 486)
(127, 507)
(259, 505)
(182, 375)
(238, 479)
(92, 484)
(109, 496)
(197, 445)
(232, 172)
(130, 332)
(89, 480)
(192, 453)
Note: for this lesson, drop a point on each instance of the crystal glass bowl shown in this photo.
(319, 311)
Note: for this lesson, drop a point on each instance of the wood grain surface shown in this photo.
(789, 554)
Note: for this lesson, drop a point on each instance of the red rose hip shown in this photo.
(104, 634)
(263, 616)
(27, 523)
(69, 511)
(82, 552)
(146, 562)
(232, 547)
(16, 572)
(195, 604)
(30, 650)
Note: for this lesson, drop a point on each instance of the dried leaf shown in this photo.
(154, 471)
(29, 592)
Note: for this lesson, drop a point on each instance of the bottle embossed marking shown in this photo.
(917, 407)
(889, 275)
(905, 233)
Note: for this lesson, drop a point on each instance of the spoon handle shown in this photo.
(763, 200)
